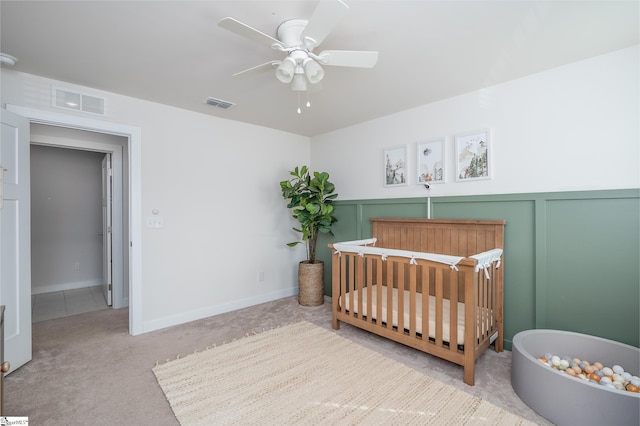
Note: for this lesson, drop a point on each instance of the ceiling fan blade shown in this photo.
(245, 30)
(258, 69)
(349, 58)
(326, 16)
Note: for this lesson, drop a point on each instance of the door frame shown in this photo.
(107, 231)
(134, 145)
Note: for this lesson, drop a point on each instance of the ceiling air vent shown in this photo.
(219, 103)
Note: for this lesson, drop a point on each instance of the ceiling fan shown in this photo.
(298, 38)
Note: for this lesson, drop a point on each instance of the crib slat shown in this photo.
(494, 279)
(400, 297)
(426, 285)
(482, 303)
(336, 291)
(487, 305)
(492, 298)
(379, 312)
(412, 300)
(439, 290)
(359, 283)
(453, 310)
(351, 284)
(389, 284)
(368, 260)
(471, 293)
(344, 285)
(498, 311)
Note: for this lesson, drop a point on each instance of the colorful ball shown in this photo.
(594, 377)
(618, 369)
(614, 377)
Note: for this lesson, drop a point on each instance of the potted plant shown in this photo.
(310, 196)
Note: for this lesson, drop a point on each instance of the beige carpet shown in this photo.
(304, 374)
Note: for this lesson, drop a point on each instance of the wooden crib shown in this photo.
(463, 287)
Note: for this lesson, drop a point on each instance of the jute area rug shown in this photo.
(304, 374)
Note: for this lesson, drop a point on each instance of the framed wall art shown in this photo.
(395, 166)
(430, 156)
(473, 156)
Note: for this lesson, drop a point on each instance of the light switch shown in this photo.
(155, 222)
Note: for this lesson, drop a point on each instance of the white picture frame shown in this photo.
(431, 161)
(473, 156)
(395, 167)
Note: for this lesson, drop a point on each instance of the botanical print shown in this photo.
(395, 165)
(430, 157)
(472, 154)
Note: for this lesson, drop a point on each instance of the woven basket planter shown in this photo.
(311, 283)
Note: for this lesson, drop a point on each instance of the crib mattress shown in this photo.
(432, 312)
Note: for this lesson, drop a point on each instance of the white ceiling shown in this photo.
(173, 52)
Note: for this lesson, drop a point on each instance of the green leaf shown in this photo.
(310, 196)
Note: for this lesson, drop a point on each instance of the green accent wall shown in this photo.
(572, 259)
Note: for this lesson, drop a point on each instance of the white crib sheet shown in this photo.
(432, 312)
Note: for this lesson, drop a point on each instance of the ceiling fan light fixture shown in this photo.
(286, 70)
(299, 83)
(312, 70)
(298, 38)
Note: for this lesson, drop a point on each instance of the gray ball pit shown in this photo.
(565, 400)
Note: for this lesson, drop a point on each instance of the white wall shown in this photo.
(568, 129)
(215, 183)
(66, 218)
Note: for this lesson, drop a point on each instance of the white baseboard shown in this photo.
(182, 318)
(65, 286)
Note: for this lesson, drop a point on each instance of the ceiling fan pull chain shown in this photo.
(299, 110)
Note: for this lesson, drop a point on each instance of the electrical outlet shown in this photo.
(261, 276)
(76, 266)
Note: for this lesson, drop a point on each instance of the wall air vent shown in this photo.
(219, 103)
(63, 98)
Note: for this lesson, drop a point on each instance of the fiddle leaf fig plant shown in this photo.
(310, 196)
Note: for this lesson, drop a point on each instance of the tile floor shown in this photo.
(60, 304)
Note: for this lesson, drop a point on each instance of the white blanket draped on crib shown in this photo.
(485, 259)
(361, 248)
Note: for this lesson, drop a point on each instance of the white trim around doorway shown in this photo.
(134, 136)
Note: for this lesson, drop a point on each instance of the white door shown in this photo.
(107, 271)
(15, 239)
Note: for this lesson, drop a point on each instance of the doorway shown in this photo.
(132, 222)
(69, 237)
(67, 220)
